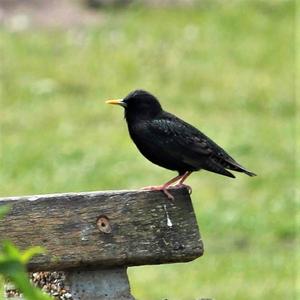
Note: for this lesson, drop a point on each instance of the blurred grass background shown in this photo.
(226, 67)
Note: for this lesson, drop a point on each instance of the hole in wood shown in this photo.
(103, 224)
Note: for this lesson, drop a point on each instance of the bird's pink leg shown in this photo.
(180, 184)
(164, 187)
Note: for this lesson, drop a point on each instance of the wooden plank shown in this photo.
(103, 229)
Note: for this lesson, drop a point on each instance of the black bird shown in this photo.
(172, 143)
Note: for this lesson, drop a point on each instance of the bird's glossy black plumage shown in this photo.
(172, 143)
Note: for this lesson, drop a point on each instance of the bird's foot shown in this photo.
(181, 185)
(162, 188)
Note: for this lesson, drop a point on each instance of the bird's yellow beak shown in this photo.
(116, 102)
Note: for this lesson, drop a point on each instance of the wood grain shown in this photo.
(103, 229)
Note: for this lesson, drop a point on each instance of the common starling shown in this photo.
(172, 143)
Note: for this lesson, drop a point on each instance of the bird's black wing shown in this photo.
(182, 141)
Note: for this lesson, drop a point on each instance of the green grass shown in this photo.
(227, 69)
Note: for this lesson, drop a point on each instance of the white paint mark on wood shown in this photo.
(169, 222)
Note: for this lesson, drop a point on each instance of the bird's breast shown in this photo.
(158, 148)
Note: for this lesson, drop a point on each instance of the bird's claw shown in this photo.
(159, 188)
(168, 194)
(181, 185)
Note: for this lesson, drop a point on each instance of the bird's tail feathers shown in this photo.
(225, 172)
(234, 166)
(249, 173)
(215, 167)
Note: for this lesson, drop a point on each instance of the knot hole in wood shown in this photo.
(103, 224)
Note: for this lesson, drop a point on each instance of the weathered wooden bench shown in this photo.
(95, 236)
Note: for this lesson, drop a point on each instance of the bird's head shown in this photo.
(138, 104)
